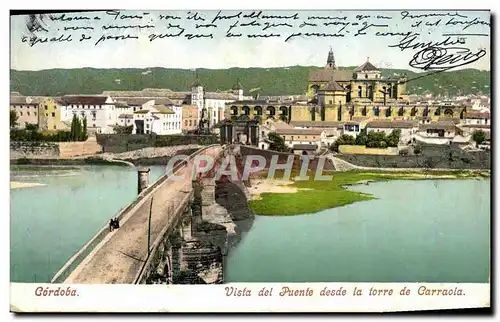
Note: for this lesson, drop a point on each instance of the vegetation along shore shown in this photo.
(278, 197)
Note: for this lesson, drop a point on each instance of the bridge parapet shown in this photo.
(162, 202)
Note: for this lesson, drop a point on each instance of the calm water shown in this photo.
(426, 231)
(417, 231)
(50, 223)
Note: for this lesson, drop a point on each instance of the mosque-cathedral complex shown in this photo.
(344, 95)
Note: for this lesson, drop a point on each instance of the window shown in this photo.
(28, 113)
(147, 126)
(331, 102)
(35, 113)
(21, 113)
(93, 124)
(366, 75)
(53, 114)
(46, 107)
(54, 127)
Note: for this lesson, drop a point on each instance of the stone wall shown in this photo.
(52, 150)
(34, 150)
(361, 149)
(283, 158)
(73, 149)
(437, 157)
(118, 143)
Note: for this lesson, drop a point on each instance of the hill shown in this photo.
(271, 81)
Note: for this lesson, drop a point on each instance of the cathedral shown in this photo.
(363, 93)
(342, 95)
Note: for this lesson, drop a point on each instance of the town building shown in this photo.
(344, 95)
(305, 149)
(294, 137)
(158, 119)
(50, 118)
(351, 128)
(474, 117)
(100, 112)
(189, 118)
(407, 128)
(212, 104)
(437, 132)
(333, 129)
(27, 110)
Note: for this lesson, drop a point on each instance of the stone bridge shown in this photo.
(174, 232)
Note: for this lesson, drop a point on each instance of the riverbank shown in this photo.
(64, 162)
(284, 198)
(17, 185)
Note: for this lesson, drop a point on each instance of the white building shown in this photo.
(477, 118)
(300, 137)
(480, 104)
(333, 129)
(100, 111)
(151, 115)
(437, 132)
(351, 128)
(408, 128)
(156, 118)
(214, 102)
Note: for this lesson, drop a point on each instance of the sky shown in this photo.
(222, 52)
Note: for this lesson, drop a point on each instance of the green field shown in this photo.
(330, 194)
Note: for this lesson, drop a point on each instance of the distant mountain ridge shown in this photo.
(271, 81)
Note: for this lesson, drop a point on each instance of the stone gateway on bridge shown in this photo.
(176, 231)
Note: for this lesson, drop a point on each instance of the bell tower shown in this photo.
(330, 62)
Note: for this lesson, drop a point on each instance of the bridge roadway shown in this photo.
(120, 256)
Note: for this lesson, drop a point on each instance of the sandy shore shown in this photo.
(260, 186)
(16, 185)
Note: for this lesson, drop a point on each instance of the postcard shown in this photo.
(250, 161)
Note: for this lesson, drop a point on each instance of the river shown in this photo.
(426, 231)
(50, 223)
(416, 231)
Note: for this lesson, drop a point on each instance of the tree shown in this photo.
(78, 132)
(362, 137)
(73, 128)
(13, 119)
(393, 138)
(417, 149)
(344, 139)
(123, 129)
(84, 130)
(31, 127)
(479, 137)
(277, 142)
(375, 139)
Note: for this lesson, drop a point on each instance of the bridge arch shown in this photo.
(271, 111)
